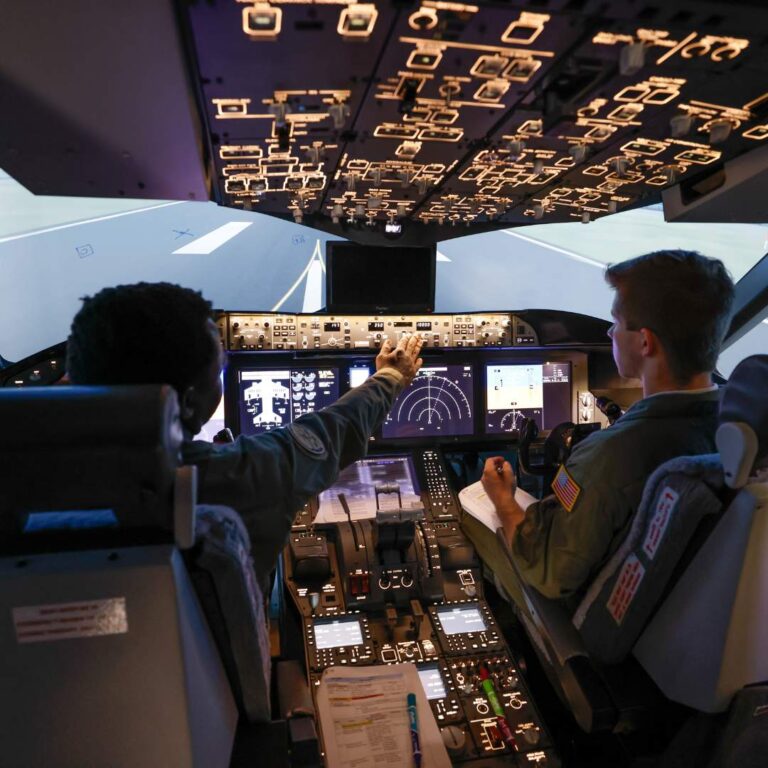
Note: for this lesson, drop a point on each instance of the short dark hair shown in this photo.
(146, 333)
(684, 298)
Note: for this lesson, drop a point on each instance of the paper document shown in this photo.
(363, 717)
(475, 501)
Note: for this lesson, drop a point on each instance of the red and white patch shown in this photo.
(623, 593)
(65, 621)
(566, 488)
(659, 522)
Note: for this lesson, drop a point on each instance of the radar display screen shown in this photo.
(457, 621)
(538, 391)
(338, 632)
(389, 481)
(438, 403)
(432, 681)
(274, 398)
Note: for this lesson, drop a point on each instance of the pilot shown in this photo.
(671, 311)
(159, 333)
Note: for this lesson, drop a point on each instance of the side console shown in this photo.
(381, 573)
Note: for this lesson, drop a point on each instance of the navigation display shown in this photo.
(438, 403)
(338, 632)
(457, 621)
(515, 392)
(274, 398)
(389, 479)
(432, 681)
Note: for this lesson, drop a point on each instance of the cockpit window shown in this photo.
(54, 250)
(753, 342)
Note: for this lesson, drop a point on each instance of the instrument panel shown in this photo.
(245, 331)
(394, 580)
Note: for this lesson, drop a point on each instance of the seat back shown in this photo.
(682, 496)
(708, 639)
(689, 585)
(105, 655)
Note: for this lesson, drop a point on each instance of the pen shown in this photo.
(414, 725)
(501, 720)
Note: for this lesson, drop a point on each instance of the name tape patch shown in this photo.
(64, 621)
(624, 590)
(566, 488)
(660, 520)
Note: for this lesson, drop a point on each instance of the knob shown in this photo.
(470, 590)
(332, 342)
(532, 736)
(384, 582)
(406, 580)
(455, 740)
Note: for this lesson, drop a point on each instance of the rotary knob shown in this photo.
(455, 740)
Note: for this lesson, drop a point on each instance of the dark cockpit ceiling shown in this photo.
(442, 118)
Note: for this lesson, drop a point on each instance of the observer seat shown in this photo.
(105, 655)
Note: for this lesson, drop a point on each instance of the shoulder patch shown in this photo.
(309, 443)
(566, 488)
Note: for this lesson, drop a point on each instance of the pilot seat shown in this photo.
(680, 607)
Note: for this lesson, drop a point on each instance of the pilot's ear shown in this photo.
(650, 345)
(187, 404)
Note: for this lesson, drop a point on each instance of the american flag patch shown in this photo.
(566, 488)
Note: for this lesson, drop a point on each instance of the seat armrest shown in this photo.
(548, 616)
(559, 643)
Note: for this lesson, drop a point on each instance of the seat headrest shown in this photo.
(742, 437)
(77, 416)
(73, 457)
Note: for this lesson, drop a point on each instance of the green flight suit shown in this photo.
(559, 551)
(268, 478)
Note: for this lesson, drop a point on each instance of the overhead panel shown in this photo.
(354, 116)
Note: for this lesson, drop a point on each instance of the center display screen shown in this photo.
(432, 681)
(338, 632)
(438, 403)
(515, 392)
(386, 482)
(457, 621)
(274, 398)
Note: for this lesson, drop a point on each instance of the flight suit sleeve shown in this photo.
(267, 478)
(558, 550)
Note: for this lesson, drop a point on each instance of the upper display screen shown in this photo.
(338, 632)
(538, 391)
(457, 621)
(381, 482)
(438, 403)
(274, 398)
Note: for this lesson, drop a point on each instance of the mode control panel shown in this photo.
(253, 331)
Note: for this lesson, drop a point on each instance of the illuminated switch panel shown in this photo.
(254, 332)
(247, 332)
